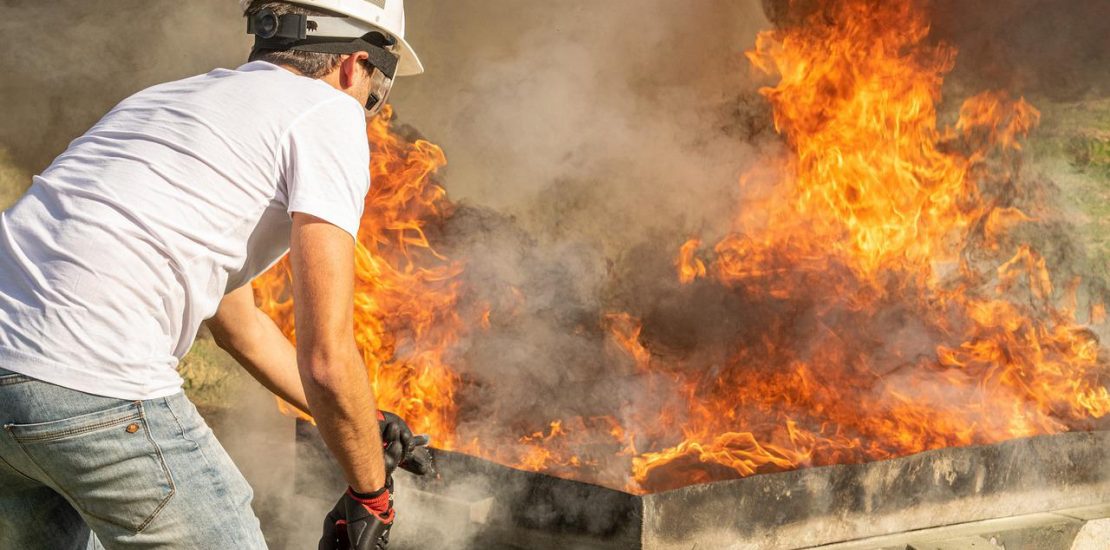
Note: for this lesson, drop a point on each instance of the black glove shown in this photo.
(359, 522)
(401, 448)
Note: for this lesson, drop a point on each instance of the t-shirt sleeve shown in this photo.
(327, 168)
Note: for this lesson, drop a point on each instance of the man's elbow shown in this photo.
(237, 342)
(330, 368)
(221, 337)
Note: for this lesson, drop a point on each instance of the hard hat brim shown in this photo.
(409, 64)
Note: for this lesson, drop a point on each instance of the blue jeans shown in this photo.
(78, 471)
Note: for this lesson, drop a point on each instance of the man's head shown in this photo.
(356, 46)
(310, 64)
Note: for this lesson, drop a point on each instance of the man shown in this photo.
(156, 220)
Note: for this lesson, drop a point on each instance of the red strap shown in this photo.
(380, 505)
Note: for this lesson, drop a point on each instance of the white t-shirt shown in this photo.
(180, 194)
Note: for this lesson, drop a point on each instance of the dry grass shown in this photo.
(211, 376)
(1072, 148)
(13, 181)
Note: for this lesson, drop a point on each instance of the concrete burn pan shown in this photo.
(479, 504)
(1045, 492)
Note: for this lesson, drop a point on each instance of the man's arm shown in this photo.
(256, 342)
(325, 367)
(334, 377)
(252, 338)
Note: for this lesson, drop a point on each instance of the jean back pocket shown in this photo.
(9, 378)
(106, 462)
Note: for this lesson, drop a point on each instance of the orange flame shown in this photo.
(405, 292)
(879, 214)
(689, 266)
(892, 311)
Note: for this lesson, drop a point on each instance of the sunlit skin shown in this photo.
(324, 374)
(405, 293)
(351, 77)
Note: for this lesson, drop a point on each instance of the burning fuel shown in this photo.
(891, 300)
(406, 294)
(882, 221)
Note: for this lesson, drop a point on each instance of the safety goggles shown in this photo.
(381, 77)
(331, 35)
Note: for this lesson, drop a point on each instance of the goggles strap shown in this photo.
(379, 57)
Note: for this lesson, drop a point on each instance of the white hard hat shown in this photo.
(386, 16)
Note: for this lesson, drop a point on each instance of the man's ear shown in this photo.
(349, 68)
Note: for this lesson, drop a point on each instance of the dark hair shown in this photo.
(311, 64)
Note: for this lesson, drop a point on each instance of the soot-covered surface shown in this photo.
(479, 504)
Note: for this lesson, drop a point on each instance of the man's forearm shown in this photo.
(253, 339)
(268, 356)
(346, 417)
(334, 377)
(259, 346)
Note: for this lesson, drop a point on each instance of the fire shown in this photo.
(406, 320)
(689, 267)
(891, 306)
(882, 245)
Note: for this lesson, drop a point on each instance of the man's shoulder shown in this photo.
(265, 79)
(253, 87)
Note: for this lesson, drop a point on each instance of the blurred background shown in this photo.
(598, 128)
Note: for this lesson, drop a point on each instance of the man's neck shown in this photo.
(291, 69)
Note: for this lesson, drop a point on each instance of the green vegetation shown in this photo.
(1078, 132)
(1072, 149)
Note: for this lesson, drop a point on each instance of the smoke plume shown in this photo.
(67, 62)
(585, 141)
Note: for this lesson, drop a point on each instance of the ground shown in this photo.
(1072, 147)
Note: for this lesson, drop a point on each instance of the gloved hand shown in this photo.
(402, 449)
(359, 522)
(362, 522)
